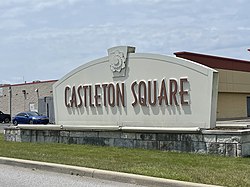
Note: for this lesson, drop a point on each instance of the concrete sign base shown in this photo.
(221, 142)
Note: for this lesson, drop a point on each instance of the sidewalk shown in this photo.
(100, 174)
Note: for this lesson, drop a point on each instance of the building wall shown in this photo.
(234, 88)
(23, 96)
(234, 81)
(4, 99)
(231, 105)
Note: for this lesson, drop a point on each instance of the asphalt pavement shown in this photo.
(99, 174)
(27, 177)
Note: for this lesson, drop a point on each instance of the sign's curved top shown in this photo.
(148, 56)
(137, 90)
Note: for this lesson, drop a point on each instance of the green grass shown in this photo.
(181, 166)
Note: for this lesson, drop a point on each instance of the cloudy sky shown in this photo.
(45, 39)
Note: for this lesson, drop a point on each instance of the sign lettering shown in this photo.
(166, 92)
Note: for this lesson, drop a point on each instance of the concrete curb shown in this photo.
(100, 174)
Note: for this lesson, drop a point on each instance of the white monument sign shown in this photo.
(128, 90)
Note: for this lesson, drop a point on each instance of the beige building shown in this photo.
(234, 83)
(16, 98)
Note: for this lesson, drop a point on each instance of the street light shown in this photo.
(10, 91)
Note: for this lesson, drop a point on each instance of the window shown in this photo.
(21, 114)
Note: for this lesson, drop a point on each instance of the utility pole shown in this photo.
(10, 91)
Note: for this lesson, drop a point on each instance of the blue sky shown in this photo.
(45, 39)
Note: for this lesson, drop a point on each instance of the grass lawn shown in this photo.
(218, 170)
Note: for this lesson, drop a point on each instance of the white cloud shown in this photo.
(136, 1)
(43, 4)
(11, 24)
(12, 12)
(12, 80)
(63, 34)
(16, 8)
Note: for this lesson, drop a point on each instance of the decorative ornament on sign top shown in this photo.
(118, 59)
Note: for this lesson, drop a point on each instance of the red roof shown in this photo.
(216, 62)
(28, 83)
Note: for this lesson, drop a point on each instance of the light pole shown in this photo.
(10, 91)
